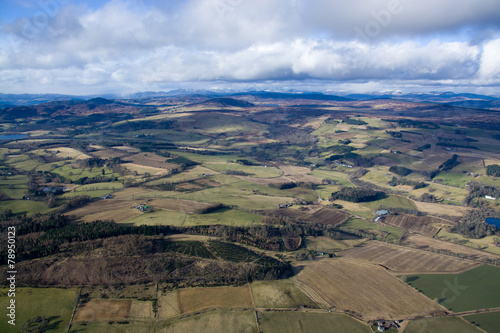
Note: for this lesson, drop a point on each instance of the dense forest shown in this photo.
(357, 194)
(473, 223)
(493, 170)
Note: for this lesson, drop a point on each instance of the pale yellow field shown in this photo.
(197, 299)
(215, 322)
(366, 289)
(189, 174)
(279, 294)
(109, 153)
(352, 206)
(118, 210)
(437, 244)
(142, 169)
(433, 208)
(327, 244)
(485, 243)
(442, 191)
(103, 309)
(150, 160)
(168, 305)
(299, 174)
(117, 215)
(141, 309)
(184, 206)
(138, 192)
(69, 152)
(127, 149)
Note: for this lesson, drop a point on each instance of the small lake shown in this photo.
(13, 137)
(493, 221)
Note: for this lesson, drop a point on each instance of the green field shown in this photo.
(209, 158)
(325, 244)
(325, 129)
(474, 289)
(49, 166)
(231, 196)
(453, 178)
(251, 170)
(296, 322)
(53, 303)
(22, 162)
(338, 177)
(490, 322)
(74, 174)
(325, 191)
(454, 194)
(23, 206)
(94, 190)
(14, 186)
(296, 192)
(279, 294)
(210, 322)
(186, 175)
(359, 224)
(440, 325)
(182, 138)
(391, 201)
(232, 217)
(378, 179)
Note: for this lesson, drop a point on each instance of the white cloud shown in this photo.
(125, 44)
(489, 71)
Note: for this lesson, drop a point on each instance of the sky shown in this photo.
(124, 46)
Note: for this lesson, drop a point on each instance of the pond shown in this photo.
(13, 137)
(493, 221)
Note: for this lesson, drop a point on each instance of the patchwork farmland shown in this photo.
(193, 213)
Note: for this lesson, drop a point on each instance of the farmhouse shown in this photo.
(285, 205)
(344, 165)
(142, 207)
(490, 197)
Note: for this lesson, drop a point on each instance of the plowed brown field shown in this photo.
(366, 289)
(403, 260)
(421, 224)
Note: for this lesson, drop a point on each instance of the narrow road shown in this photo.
(319, 196)
(471, 312)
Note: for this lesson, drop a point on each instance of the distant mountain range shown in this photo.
(7, 100)
(448, 98)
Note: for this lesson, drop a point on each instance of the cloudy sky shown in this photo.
(125, 46)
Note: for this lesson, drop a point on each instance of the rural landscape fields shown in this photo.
(251, 213)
